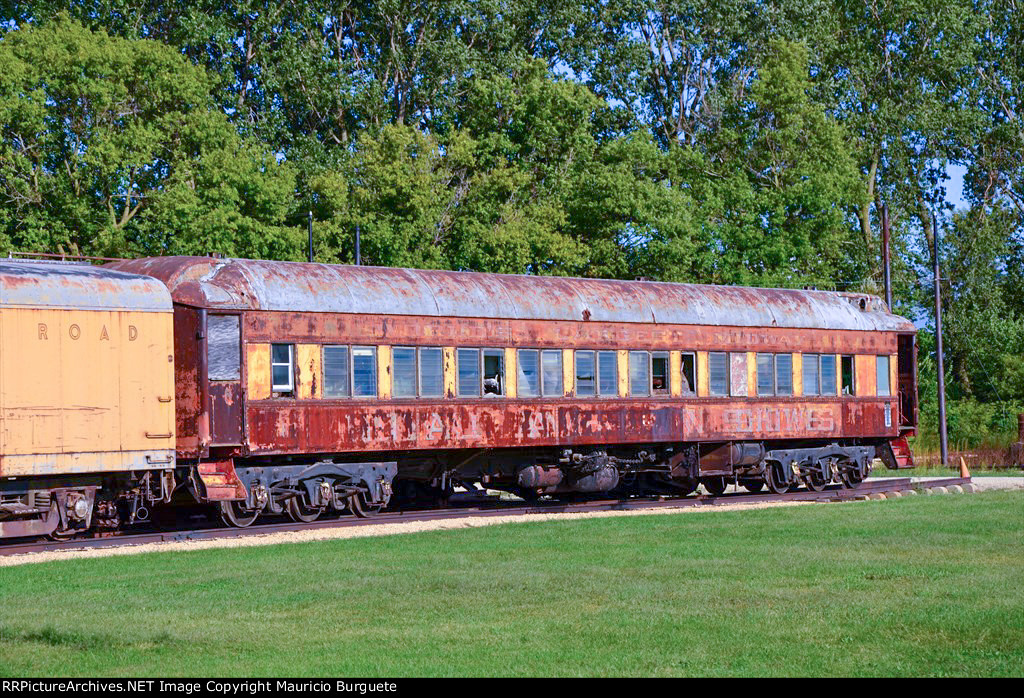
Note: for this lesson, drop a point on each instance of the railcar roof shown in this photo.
(242, 284)
(35, 284)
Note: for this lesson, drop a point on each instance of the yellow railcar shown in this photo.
(86, 394)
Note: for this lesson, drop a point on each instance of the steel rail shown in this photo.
(833, 493)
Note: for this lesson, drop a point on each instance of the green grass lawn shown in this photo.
(916, 586)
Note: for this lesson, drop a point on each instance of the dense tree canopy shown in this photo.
(734, 141)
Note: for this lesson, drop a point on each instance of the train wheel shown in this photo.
(851, 479)
(715, 485)
(773, 478)
(360, 508)
(815, 482)
(752, 486)
(233, 514)
(298, 511)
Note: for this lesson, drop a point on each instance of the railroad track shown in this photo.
(833, 493)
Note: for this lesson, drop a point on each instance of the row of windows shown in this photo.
(351, 371)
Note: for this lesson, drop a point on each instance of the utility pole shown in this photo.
(358, 260)
(311, 236)
(943, 443)
(885, 256)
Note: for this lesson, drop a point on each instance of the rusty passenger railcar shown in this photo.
(306, 386)
(86, 396)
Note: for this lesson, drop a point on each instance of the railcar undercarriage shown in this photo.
(305, 491)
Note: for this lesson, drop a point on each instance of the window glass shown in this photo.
(765, 374)
(639, 373)
(468, 361)
(551, 363)
(364, 372)
(659, 373)
(529, 373)
(431, 373)
(608, 373)
(848, 382)
(403, 366)
(223, 348)
(882, 369)
(689, 369)
(828, 374)
(586, 378)
(811, 370)
(281, 368)
(336, 372)
(718, 373)
(783, 374)
(494, 372)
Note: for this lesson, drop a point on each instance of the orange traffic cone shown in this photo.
(964, 472)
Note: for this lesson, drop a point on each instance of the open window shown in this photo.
(659, 373)
(689, 371)
(494, 372)
(849, 383)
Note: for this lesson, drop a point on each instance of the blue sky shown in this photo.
(955, 185)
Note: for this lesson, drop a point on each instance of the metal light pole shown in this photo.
(943, 443)
(885, 256)
(311, 236)
(358, 260)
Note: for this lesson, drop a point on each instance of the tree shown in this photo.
(113, 147)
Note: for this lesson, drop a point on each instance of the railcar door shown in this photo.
(224, 374)
(906, 361)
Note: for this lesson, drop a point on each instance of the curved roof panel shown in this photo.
(242, 284)
(78, 286)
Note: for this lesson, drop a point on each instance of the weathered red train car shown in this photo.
(302, 387)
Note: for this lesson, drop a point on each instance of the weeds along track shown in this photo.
(874, 489)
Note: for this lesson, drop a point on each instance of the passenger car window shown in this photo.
(468, 361)
(828, 374)
(336, 376)
(882, 380)
(494, 372)
(529, 373)
(607, 374)
(849, 386)
(403, 367)
(765, 374)
(223, 348)
(551, 369)
(812, 373)
(282, 368)
(586, 378)
(639, 373)
(659, 373)
(431, 372)
(364, 372)
(718, 373)
(783, 374)
(689, 370)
